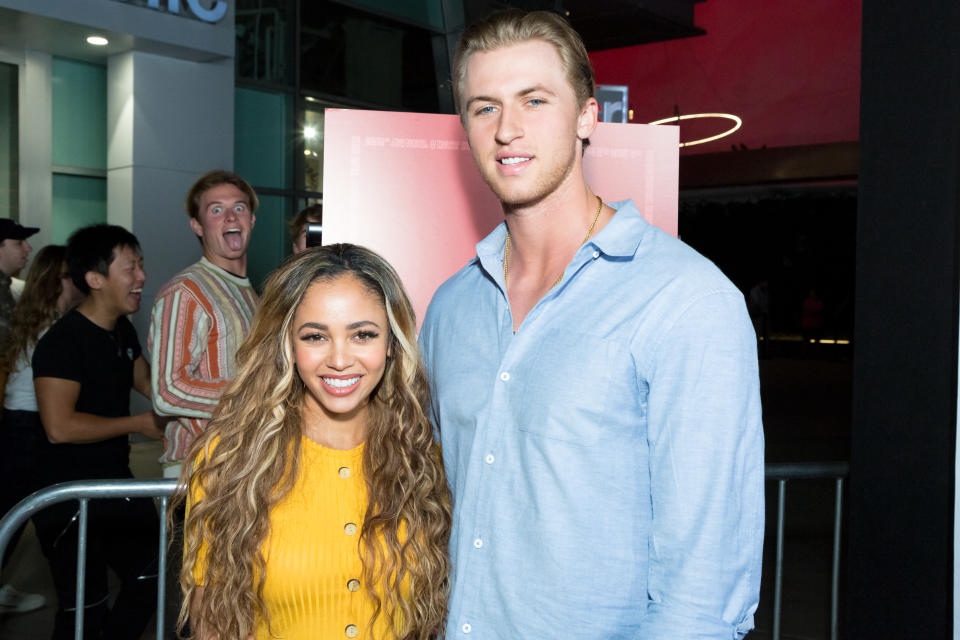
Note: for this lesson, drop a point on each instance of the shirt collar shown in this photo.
(223, 273)
(620, 237)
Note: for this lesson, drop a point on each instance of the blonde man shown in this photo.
(594, 383)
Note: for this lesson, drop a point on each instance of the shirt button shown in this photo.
(477, 543)
(505, 376)
(596, 254)
(352, 631)
(353, 585)
(466, 627)
(344, 472)
(349, 528)
(489, 458)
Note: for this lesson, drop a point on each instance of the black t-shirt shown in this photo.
(102, 362)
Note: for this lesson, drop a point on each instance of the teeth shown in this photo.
(136, 290)
(513, 160)
(341, 384)
(232, 231)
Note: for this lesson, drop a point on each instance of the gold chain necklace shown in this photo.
(506, 247)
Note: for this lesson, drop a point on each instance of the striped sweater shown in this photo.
(199, 320)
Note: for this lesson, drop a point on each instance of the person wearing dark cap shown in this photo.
(14, 251)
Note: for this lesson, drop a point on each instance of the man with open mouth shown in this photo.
(201, 316)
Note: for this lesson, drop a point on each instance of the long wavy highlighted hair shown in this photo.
(249, 456)
(37, 308)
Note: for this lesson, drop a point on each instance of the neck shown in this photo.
(334, 431)
(98, 314)
(545, 235)
(236, 266)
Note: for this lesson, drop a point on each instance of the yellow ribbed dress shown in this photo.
(313, 588)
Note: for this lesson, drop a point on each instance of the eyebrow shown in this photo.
(350, 327)
(523, 92)
(213, 202)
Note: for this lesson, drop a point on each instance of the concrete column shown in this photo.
(168, 122)
(36, 147)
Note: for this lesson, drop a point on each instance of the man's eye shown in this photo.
(536, 102)
(216, 210)
(239, 208)
(483, 111)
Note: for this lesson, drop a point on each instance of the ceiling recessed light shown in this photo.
(97, 41)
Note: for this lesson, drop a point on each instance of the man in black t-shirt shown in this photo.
(84, 368)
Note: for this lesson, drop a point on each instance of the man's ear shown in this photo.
(94, 280)
(589, 116)
(195, 225)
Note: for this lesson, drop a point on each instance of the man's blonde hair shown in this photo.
(513, 26)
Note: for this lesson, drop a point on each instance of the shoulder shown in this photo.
(62, 343)
(455, 290)
(181, 281)
(644, 253)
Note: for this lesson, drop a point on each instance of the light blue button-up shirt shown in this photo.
(606, 461)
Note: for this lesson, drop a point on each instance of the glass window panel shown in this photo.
(313, 151)
(9, 155)
(269, 243)
(78, 201)
(262, 138)
(79, 114)
(367, 58)
(426, 12)
(265, 40)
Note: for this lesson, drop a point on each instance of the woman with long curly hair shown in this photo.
(318, 504)
(47, 294)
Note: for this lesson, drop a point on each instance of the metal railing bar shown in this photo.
(806, 470)
(90, 489)
(778, 576)
(162, 569)
(835, 569)
(81, 568)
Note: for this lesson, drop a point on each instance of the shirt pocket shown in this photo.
(567, 388)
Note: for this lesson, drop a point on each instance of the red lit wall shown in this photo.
(789, 69)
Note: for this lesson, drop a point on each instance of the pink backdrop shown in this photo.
(405, 185)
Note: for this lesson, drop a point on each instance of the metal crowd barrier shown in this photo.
(86, 490)
(783, 472)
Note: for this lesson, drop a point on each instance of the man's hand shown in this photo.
(151, 425)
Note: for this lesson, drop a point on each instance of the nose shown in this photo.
(141, 275)
(339, 357)
(28, 246)
(509, 126)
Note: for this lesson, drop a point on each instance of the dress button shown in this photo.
(466, 627)
(353, 584)
(349, 528)
(344, 472)
(505, 376)
(596, 254)
(477, 543)
(489, 458)
(352, 631)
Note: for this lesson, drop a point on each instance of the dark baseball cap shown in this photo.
(12, 230)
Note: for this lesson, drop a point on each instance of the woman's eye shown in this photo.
(312, 337)
(364, 336)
